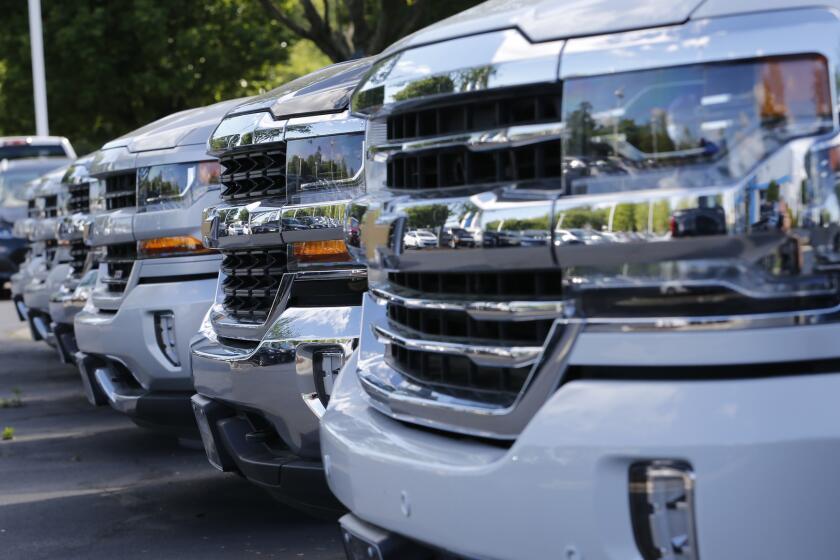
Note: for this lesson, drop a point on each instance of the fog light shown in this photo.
(662, 510)
(165, 336)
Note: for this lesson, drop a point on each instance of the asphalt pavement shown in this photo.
(83, 482)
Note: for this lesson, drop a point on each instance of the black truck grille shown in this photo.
(78, 256)
(121, 191)
(449, 166)
(537, 284)
(50, 249)
(457, 374)
(254, 174)
(119, 259)
(251, 280)
(50, 206)
(79, 200)
(32, 209)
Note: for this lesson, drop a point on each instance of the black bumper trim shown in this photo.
(294, 480)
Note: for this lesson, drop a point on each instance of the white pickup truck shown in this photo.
(640, 357)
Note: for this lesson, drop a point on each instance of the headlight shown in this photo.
(176, 185)
(690, 126)
(325, 164)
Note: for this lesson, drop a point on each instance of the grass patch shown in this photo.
(14, 401)
(8, 433)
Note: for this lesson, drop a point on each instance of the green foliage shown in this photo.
(427, 216)
(584, 218)
(14, 401)
(114, 66)
(8, 433)
(345, 29)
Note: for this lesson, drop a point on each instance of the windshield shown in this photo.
(20, 151)
(13, 186)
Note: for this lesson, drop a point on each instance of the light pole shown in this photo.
(39, 80)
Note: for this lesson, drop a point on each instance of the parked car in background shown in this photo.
(156, 279)
(72, 293)
(18, 166)
(35, 147)
(287, 310)
(23, 229)
(420, 239)
(621, 391)
(456, 237)
(48, 270)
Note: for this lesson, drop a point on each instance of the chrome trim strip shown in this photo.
(481, 310)
(341, 274)
(228, 328)
(323, 125)
(493, 356)
(477, 63)
(510, 137)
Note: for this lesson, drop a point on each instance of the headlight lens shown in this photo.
(175, 185)
(325, 164)
(688, 126)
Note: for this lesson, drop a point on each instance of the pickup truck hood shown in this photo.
(324, 91)
(192, 126)
(548, 20)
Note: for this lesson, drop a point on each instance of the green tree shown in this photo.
(113, 66)
(427, 216)
(353, 28)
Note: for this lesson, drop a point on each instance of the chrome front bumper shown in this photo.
(279, 378)
(762, 450)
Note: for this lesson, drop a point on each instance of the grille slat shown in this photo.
(50, 249)
(254, 174)
(251, 281)
(458, 375)
(78, 256)
(119, 259)
(79, 199)
(121, 191)
(457, 166)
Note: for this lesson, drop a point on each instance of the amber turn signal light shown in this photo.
(171, 246)
(333, 250)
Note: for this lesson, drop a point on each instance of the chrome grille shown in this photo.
(50, 206)
(254, 173)
(444, 157)
(50, 248)
(468, 114)
(79, 200)
(78, 256)
(457, 375)
(465, 310)
(251, 280)
(121, 191)
(119, 260)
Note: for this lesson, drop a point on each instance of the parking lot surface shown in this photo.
(84, 482)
